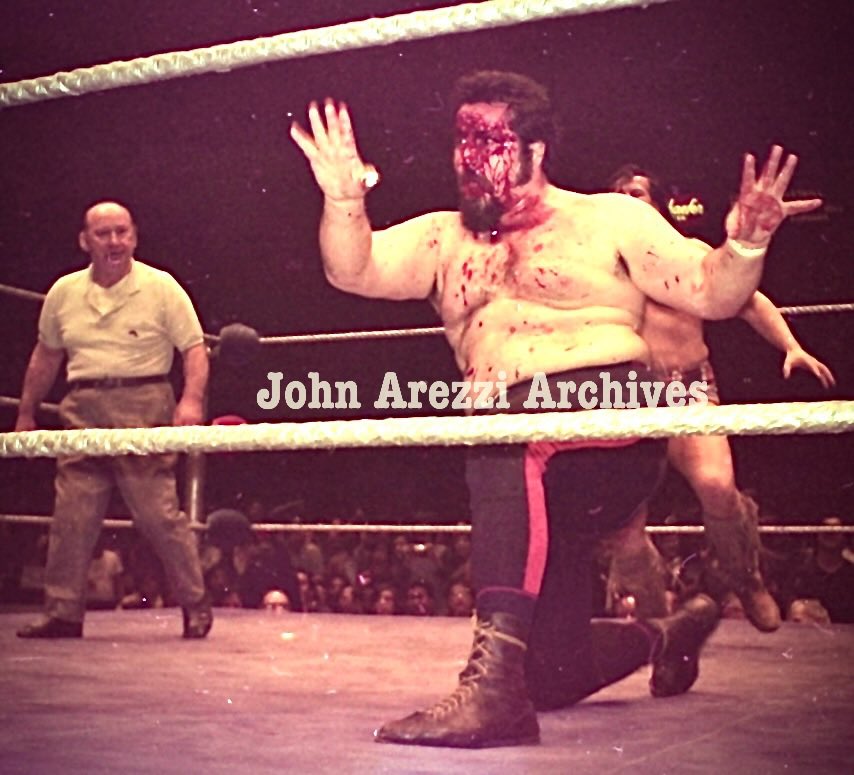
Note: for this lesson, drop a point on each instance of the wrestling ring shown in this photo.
(302, 692)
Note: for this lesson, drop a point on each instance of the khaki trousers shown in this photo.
(147, 484)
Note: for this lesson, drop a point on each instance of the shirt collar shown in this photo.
(107, 300)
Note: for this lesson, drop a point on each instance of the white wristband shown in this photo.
(741, 250)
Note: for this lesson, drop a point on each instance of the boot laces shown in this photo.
(469, 677)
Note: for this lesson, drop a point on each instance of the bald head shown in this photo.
(106, 208)
(108, 236)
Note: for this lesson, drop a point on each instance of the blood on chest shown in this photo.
(543, 269)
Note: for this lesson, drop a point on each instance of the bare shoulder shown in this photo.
(437, 225)
(699, 244)
(621, 204)
(442, 219)
(605, 204)
(564, 199)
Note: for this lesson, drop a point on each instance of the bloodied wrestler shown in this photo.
(532, 280)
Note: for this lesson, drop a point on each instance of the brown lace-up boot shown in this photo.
(676, 656)
(640, 572)
(490, 706)
(734, 543)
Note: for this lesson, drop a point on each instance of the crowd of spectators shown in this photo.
(365, 571)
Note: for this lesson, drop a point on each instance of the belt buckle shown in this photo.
(112, 382)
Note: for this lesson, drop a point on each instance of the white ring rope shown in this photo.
(397, 333)
(340, 37)
(400, 333)
(280, 527)
(607, 424)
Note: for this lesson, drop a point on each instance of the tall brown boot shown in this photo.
(734, 542)
(676, 654)
(490, 706)
(640, 573)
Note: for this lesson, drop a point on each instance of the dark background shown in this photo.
(225, 201)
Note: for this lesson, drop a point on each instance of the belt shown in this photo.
(697, 374)
(116, 382)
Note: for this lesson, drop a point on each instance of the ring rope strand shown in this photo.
(342, 336)
(279, 527)
(608, 424)
(291, 45)
(21, 293)
(16, 402)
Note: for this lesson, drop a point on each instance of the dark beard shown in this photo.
(481, 216)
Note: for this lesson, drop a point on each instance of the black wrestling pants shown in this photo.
(538, 512)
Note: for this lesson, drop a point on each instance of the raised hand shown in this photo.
(332, 153)
(760, 208)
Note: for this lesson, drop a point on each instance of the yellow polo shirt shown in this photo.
(128, 330)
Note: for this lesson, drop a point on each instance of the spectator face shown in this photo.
(400, 548)
(460, 600)
(638, 187)
(418, 601)
(276, 601)
(347, 600)
(831, 541)
(462, 546)
(334, 587)
(385, 604)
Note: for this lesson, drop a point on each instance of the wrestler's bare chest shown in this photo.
(564, 264)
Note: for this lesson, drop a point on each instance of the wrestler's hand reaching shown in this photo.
(760, 208)
(331, 150)
(798, 358)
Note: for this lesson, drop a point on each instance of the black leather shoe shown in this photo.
(677, 664)
(198, 619)
(52, 628)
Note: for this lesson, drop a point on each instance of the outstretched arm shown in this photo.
(673, 271)
(397, 265)
(767, 321)
(40, 375)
